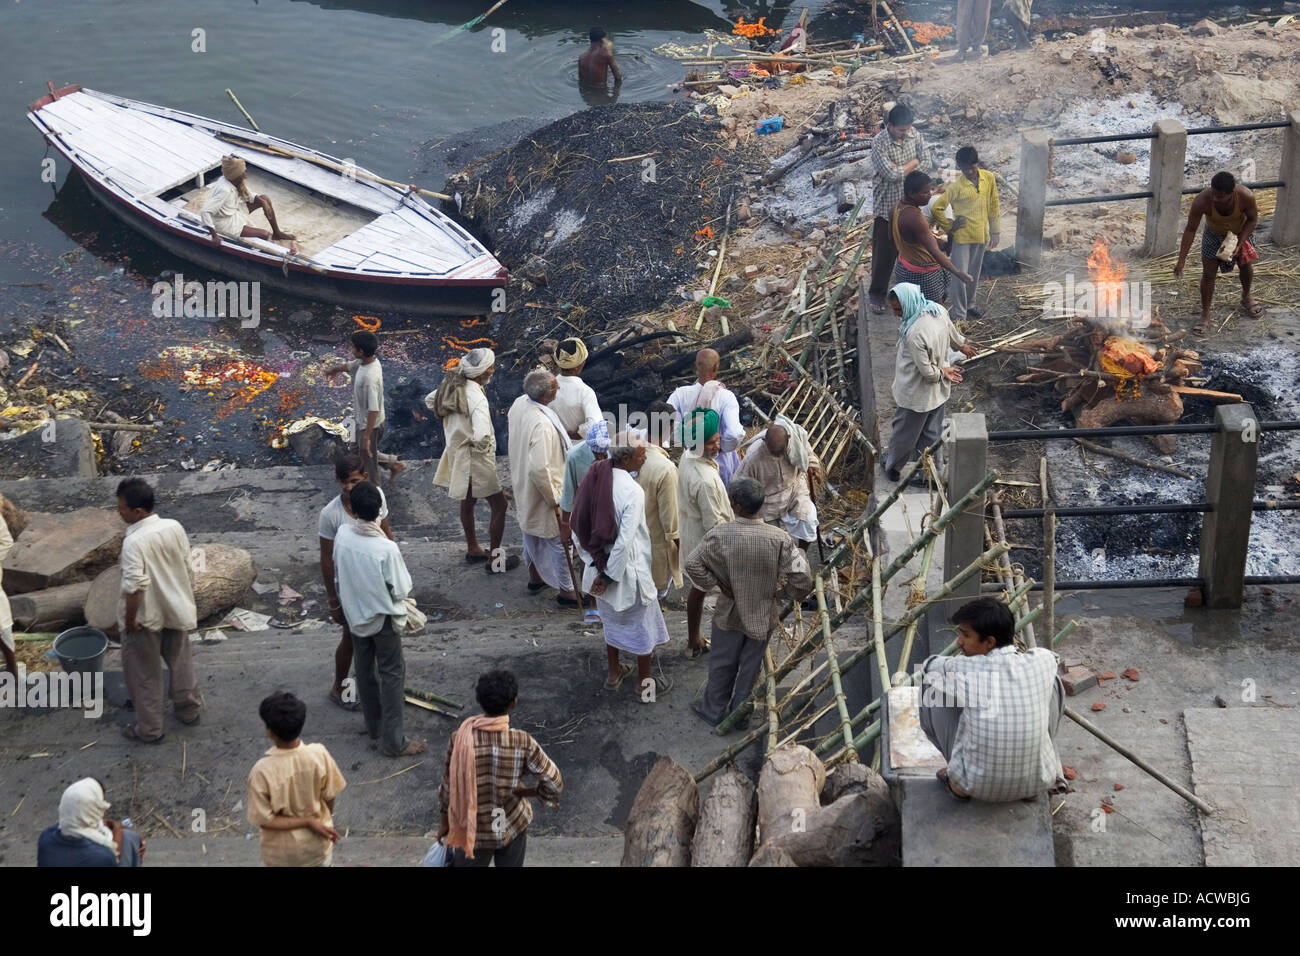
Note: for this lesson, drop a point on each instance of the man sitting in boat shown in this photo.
(229, 204)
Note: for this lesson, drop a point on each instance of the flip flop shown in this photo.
(346, 705)
(476, 558)
(1254, 311)
(878, 308)
(538, 587)
(129, 732)
(623, 671)
(662, 686)
(943, 778)
(512, 562)
(1198, 329)
(692, 653)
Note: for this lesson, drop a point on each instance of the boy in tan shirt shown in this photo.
(292, 789)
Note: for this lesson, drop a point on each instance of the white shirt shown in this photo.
(629, 558)
(156, 560)
(367, 392)
(686, 397)
(224, 209)
(575, 403)
(372, 581)
(333, 516)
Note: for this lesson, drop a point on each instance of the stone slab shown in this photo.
(910, 749)
(58, 549)
(1243, 765)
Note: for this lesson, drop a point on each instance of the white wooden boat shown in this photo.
(361, 242)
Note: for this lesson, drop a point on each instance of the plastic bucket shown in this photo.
(81, 650)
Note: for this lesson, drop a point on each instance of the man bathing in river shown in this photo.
(229, 203)
(1228, 208)
(595, 65)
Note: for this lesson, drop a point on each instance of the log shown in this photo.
(859, 169)
(1209, 393)
(1149, 408)
(666, 368)
(724, 835)
(1131, 459)
(789, 160)
(846, 195)
(788, 789)
(222, 576)
(662, 822)
(858, 829)
(772, 856)
(52, 609)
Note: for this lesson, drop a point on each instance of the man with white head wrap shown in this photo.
(538, 445)
(82, 837)
(781, 460)
(575, 401)
(468, 467)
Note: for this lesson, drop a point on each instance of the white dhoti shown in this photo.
(803, 528)
(547, 556)
(638, 630)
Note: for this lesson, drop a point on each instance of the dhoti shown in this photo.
(547, 556)
(638, 630)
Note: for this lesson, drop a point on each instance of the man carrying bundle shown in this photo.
(468, 468)
(609, 528)
(229, 203)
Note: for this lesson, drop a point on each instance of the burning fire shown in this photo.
(1107, 276)
(924, 32)
(759, 29)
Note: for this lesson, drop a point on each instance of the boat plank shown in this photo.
(161, 165)
(136, 167)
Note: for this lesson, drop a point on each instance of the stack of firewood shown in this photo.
(1106, 376)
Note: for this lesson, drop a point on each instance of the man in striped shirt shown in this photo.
(483, 800)
(896, 150)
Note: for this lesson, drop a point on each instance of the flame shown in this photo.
(1107, 276)
(758, 29)
(924, 32)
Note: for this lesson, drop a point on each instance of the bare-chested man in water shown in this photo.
(595, 65)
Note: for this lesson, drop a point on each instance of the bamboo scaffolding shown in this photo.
(834, 298)
(1049, 545)
(772, 716)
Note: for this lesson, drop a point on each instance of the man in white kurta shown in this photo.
(538, 444)
(625, 591)
(575, 401)
(468, 467)
(780, 460)
(657, 477)
(708, 392)
(702, 504)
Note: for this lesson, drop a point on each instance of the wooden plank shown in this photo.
(1207, 393)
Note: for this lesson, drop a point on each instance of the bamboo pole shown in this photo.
(834, 298)
(878, 624)
(713, 286)
(1049, 549)
(235, 99)
(772, 716)
(328, 164)
(1123, 751)
(939, 525)
(1017, 578)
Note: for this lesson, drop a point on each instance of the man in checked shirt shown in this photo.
(483, 800)
(993, 711)
(896, 150)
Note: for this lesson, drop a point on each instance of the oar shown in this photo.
(337, 167)
(296, 257)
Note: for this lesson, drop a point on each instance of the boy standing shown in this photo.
(349, 471)
(367, 401)
(373, 585)
(155, 613)
(292, 789)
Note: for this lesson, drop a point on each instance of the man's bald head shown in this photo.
(706, 364)
(777, 439)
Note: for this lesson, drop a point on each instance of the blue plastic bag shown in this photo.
(437, 855)
(772, 124)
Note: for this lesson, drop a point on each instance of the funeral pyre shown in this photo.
(1117, 361)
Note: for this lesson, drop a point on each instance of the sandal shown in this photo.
(878, 308)
(587, 601)
(1254, 310)
(623, 671)
(476, 558)
(943, 778)
(354, 705)
(692, 653)
(539, 586)
(129, 732)
(662, 686)
(1198, 329)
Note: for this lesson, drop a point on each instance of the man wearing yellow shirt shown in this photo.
(968, 212)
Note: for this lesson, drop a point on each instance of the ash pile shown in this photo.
(597, 216)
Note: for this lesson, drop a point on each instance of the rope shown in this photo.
(469, 24)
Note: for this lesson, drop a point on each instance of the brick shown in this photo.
(751, 271)
(1078, 679)
(1131, 674)
(1107, 675)
(1099, 706)
(1068, 772)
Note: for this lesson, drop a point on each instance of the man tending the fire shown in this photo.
(1230, 219)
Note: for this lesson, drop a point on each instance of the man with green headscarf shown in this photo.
(702, 501)
(923, 375)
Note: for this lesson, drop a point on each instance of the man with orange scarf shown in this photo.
(483, 801)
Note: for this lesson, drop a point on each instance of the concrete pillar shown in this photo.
(1286, 218)
(1164, 209)
(1230, 490)
(967, 440)
(1032, 196)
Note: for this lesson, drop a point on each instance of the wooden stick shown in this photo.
(1049, 553)
(28, 374)
(235, 100)
(713, 286)
(772, 723)
(878, 623)
(1123, 751)
(1131, 459)
(121, 427)
(628, 159)
(163, 820)
(432, 698)
(337, 167)
(1207, 393)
